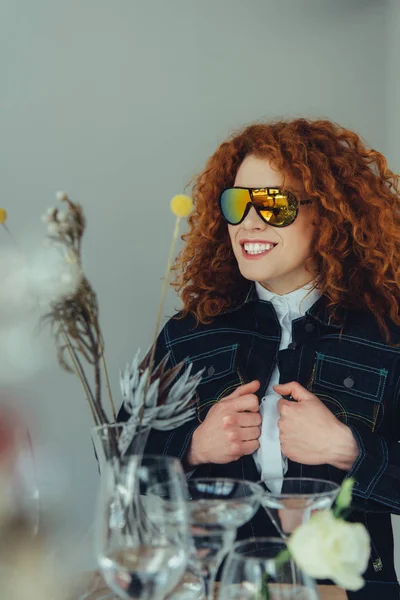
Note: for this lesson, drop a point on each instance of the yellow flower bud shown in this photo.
(181, 205)
(3, 216)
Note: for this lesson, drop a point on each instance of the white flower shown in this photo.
(61, 196)
(52, 228)
(330, 548)
(71, 258)
(24, 354)
(51, 277)
(48, 215)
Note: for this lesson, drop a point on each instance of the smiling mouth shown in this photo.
(257, 248)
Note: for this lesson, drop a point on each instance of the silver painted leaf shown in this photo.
(179, 407)
(169, 398)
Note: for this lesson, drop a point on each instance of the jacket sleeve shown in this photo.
(376, 472)
(177, 441)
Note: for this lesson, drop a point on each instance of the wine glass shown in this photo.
(106, 441)
(191, 586)
(296, 501)
(142, 538)
(253, 570)
(217, 507)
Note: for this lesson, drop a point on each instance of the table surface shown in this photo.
(92, 587)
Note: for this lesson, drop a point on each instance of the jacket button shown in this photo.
(309, 327)
(292, 346)
(210, 371)
(348, 382)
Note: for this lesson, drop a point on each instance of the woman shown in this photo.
(290, 276)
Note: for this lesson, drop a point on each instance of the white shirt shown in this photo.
(268, 458)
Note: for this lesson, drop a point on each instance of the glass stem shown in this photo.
(294, 575)
(209, 575)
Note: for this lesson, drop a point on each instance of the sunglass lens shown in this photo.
(233, 204)
(278, 209)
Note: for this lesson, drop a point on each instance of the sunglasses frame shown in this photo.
(291, 197)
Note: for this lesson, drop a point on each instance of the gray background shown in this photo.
(120, 103)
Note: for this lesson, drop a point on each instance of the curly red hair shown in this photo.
(357, 204)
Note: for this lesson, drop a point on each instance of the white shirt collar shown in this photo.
(296, 302)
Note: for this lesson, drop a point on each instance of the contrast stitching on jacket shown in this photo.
(169, 345)
(277, 339)
(226, 391)
(396, 404)
(216, 332)
(374, 548)
(300, 362)
(186, 442)
(343, 361)
(386, 500)
(361, 456)
(168, 442)
(358, 416)
(253, 316)
(384, 464)
(364, 342)
(212, 401)
(343, 412)
(382, 373)
(231, 350)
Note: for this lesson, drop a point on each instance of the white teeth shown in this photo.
(257, 248)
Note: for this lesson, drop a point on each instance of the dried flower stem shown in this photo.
(108, 386)
(80, 373)
(93, 319)
(10, 234)
(160, 309)
(97, 353)
(163, 294)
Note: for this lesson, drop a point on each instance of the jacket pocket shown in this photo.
(352, 390)
(217, 363)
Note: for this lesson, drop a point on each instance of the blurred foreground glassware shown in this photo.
(191, 586)
(18, 475)
(252, 572)
(107, 442)
(217, 507)
(142, 538)
(298, 499)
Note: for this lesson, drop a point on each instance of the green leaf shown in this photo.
(265, 595)
(282, 557)
(343, 501)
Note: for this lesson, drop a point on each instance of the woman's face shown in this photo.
(280, 267)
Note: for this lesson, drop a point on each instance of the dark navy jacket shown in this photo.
(347, 364)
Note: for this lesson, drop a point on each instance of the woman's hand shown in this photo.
(230, 430)
(309, 433)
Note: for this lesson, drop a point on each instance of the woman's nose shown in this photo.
(253, 221)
